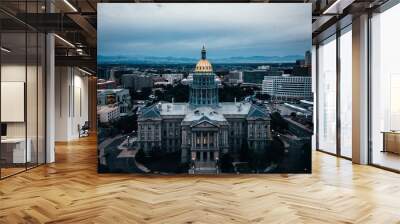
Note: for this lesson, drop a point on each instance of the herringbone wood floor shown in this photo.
(71, 191)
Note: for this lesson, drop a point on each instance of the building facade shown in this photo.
(173, 77)
(137, 81)
(107, 114)
(119, 97)
(287, 87)
(254, 76)
(234, 78)
(203, 129)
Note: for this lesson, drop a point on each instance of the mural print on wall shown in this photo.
(204, 88)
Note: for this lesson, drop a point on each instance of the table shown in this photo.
(13, 150)
(391, 141)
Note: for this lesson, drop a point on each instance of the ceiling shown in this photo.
(75, 21)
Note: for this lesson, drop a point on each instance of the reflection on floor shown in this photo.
(71, 191)
(386, 159)
(10, 171)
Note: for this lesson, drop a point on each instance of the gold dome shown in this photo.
(203, 65)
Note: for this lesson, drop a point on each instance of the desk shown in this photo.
(13, 150)
(391, 141)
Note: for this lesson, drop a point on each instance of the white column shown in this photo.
(208, 140)
(193, 143)
(201, 140)
(360, 90)
(217, 139)
(50, 98)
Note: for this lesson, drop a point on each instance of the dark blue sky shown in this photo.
(227, 30)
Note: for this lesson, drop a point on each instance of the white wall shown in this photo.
(71, 102)
(12, 73)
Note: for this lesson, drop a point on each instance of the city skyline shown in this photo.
(238, 30)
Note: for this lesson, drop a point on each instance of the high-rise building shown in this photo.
(308, 59)
(287, 87)
(136, 81)
(254, 76)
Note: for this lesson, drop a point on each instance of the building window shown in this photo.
(346, 93)
(327, 95)
(385, 89)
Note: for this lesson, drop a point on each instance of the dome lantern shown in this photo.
(203, 65)
(203, 53)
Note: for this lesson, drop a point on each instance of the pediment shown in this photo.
(149, 119)
(205, 124)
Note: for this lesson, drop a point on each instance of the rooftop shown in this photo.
(110, 90)
(105, 109)
(208, 112)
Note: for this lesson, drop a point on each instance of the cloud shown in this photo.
(227, 29)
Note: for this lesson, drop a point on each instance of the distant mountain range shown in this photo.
(185, 60)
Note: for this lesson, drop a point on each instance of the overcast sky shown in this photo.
(227, 30)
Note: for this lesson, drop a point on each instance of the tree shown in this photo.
(226, 163)
(263, 96)
(146, 91)
(180, 93)
(244, 154)
(306, 156)
(156, 152)
(278, 123)
(276, 152)
(229, 93)
(258, 160)
(140, 156)
(127, 124)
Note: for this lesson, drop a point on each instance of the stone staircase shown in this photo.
(204, 168)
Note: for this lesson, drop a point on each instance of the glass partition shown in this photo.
(22, 77)
(14, 153)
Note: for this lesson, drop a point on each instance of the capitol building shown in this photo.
(203, 129)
